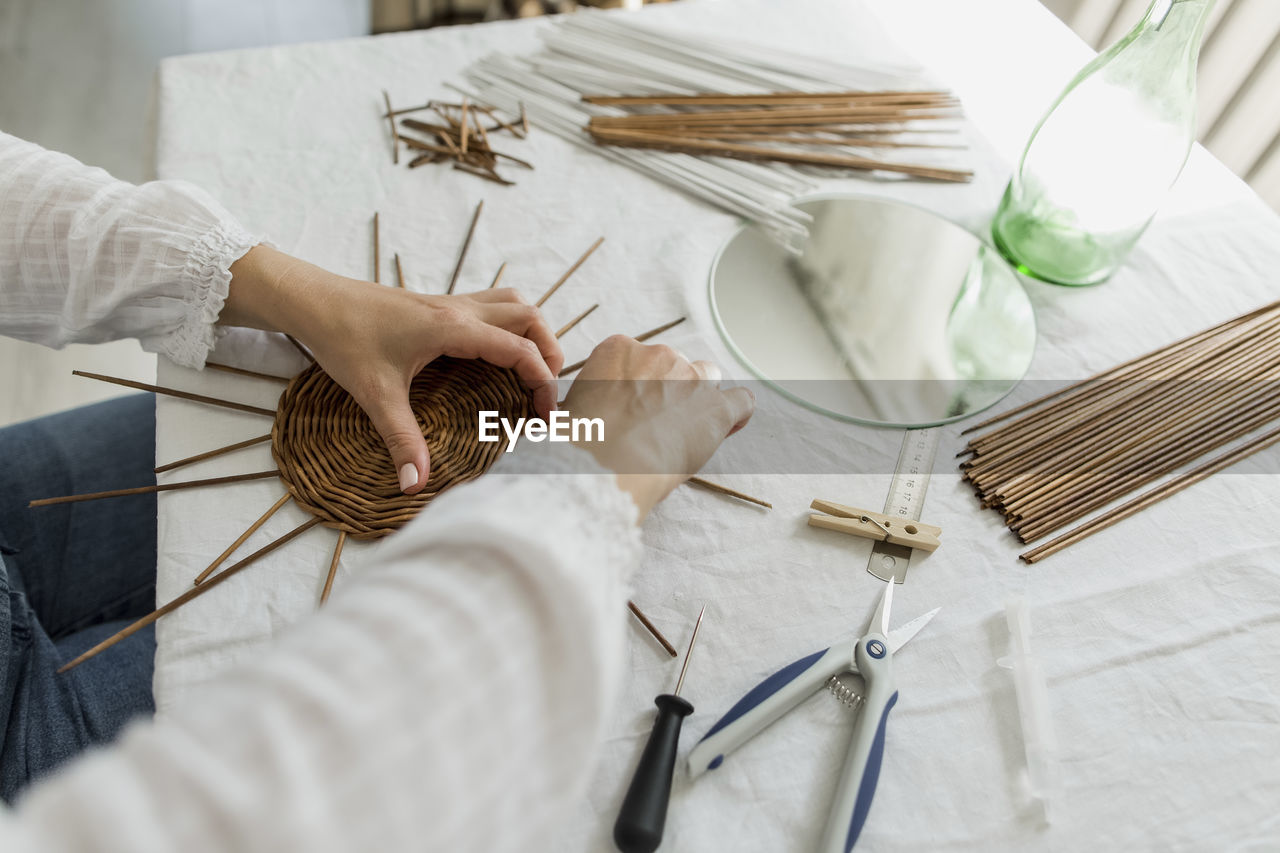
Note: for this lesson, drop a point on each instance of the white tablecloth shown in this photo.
(1159, 637)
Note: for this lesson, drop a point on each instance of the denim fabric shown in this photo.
(70, 576)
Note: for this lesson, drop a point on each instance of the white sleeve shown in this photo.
(87, 258)
(452, 699)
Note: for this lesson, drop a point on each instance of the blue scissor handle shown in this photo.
(870, 776)
(766, 702)
(857, 784)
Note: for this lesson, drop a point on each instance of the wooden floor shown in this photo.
(75, 76)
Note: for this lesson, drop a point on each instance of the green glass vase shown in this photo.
(1102, 159)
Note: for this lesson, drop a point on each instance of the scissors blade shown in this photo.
(899, 636)
(880, 619)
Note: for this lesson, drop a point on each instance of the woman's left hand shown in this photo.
(374, 339)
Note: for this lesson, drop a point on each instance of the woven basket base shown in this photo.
(336, 466)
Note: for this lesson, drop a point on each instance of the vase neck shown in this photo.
(1181, 19)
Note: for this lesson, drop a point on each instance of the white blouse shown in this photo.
(372, 725)
(86, 258)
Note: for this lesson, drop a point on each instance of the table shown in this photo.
(1158, 638)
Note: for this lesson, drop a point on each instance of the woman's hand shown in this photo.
(663, 416)
(374, 339)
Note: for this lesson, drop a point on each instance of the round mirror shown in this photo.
(890, 315)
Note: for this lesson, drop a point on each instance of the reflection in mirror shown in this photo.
(890, 315)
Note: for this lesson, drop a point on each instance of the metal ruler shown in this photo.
(906, 500)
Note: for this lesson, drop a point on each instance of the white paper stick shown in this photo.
(593, 53)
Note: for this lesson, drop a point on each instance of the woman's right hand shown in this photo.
(663, 415)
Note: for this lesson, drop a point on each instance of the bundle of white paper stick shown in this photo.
(607, 54)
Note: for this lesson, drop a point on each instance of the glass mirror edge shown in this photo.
(745, 225)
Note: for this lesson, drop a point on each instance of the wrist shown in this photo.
(269, 291)
(646, 491)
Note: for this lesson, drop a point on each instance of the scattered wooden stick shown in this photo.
(173, 392)
(491, 113)
(240, 540)
(187, 596)
(404, 110)
(525, 163)
(442, 110)
(443, 132)
(464, 125)
(471, 229)
(399, 273)
(652, 629)
(459, 136)
(564, 330)
(431, 148)
(642, 337)
(209, 454)
(377, 248)
(579, 262)
(240, 371)
(498, 276)
(395, 135)
(333, 567)
(160, 487)
(725, 490)
(487, 174)
(577, 365)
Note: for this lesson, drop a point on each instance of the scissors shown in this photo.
(870, 656)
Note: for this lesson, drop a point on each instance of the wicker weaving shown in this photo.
(337, 467)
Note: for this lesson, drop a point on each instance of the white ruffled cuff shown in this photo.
(206, 280)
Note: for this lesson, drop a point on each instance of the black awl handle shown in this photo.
(644, 809)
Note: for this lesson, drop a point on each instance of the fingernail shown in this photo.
(408, 476)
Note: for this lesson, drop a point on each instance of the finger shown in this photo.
(742, 404)
(708, 370)
(504, 349)
(497, 294)
(527, 322)
(394, 420)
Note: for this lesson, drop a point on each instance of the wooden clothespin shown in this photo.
(875, 525)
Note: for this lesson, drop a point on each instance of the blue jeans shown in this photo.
(71, 575)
